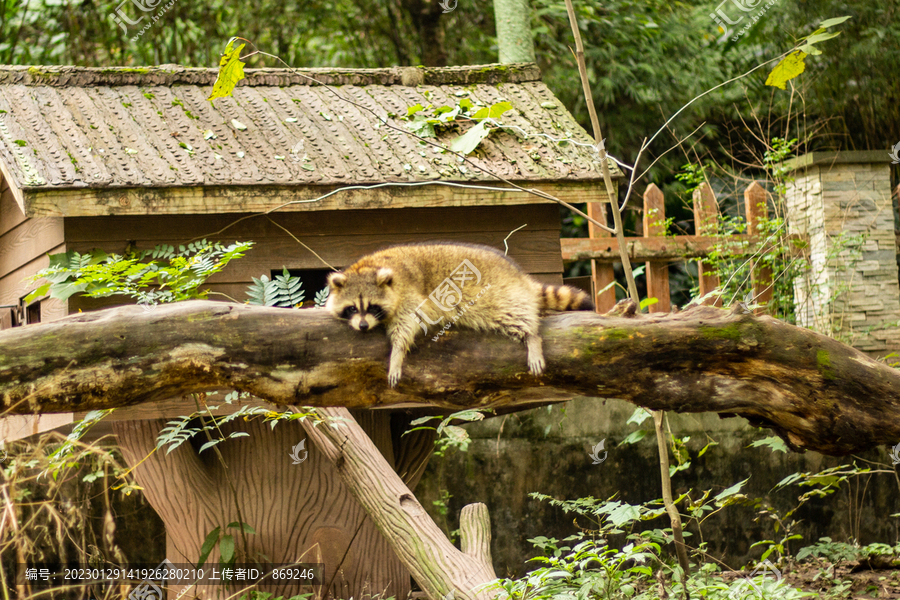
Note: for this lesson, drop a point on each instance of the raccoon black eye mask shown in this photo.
(425, 288)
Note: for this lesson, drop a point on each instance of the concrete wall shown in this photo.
(547, 451)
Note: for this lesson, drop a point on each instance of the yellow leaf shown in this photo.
(790, 66)
(231, 70)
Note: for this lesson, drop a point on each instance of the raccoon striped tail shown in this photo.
(564, 297)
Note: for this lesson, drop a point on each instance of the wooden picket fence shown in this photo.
(658, 250)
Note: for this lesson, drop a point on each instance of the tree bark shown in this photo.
(515, 42)
(815, 392)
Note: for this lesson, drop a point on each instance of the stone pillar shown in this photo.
(850, 291)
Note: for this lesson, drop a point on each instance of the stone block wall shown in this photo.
(842, 202)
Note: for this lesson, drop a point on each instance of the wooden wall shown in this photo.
(24, 244)
(338, 237)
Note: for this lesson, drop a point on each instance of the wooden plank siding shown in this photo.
(10, 213)
(340, 238)
(28, 240)
(13, 286)
(24, 244)
(423, 221)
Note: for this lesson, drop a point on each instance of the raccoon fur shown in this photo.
(433, 286)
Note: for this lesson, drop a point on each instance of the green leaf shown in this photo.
(289, 290)
(322, 296)
(41, 291)
(727, 493)
(709, 445)
(635, 436)
(262, 292)
(456, 434)
(468, 415)
(625, 513)
(226, 548)
(208, 445)
(638, 416)
(788, 480)
(239, 525)
(815, 38)
(63, 291)
(790, 66)
(482, 113)
(208, 544)
(421, 126)
(498, 109)
(414, 109)
(774, 442)
(811, 50)
(648, 302)
(832, 22)
(231, 70)
(466, 143)
(821, 37)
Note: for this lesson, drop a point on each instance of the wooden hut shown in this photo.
(118, 158)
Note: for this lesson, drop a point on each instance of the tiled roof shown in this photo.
(71, 127)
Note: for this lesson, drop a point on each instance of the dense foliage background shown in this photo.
(646, 59)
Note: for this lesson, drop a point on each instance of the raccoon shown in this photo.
(433, 286)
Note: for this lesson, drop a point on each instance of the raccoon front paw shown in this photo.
(394, 377)
(536, 365)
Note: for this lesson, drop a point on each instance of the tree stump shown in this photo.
(300, 512)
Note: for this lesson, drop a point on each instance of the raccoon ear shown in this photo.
(384, 276)
(337, 280)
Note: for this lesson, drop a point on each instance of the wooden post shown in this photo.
(755, 203)
(657, 272)
(602, 273)
(706, 222)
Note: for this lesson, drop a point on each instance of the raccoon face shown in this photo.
(362, 298)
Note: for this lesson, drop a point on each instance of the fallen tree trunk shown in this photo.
(815, 392)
